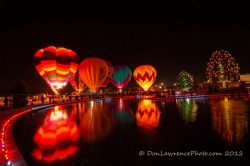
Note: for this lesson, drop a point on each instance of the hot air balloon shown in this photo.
(110, 74)
(56, 65)
(93, 72)
(77, 83)
(122, 76)
(147, 114)
(145, 76)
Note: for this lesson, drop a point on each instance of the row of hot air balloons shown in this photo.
(58, 66)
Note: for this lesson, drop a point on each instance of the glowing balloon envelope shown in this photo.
(56, 65)
(93, 72)
(122, 76)
(110, 74)
(145, 76)
(77, 83)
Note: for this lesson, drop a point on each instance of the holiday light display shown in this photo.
(122, 76)
(145, 76)
(184, 81)
(222, 67)
(56, 65)
(93, 72)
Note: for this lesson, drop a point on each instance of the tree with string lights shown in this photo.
(222, 68)
(184, 81)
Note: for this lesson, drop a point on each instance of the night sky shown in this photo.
(170, 36)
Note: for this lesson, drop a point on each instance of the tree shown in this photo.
(222, 67)
(184, 81)
(19, 91)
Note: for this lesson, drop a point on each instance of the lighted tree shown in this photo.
(222, 67)
(184, 81)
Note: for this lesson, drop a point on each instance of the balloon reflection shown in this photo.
(229, 119)
(124, 114)
(95, 123)
(188, 109)
(147, 114)
(56, 138)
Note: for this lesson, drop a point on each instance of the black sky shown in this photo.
(172, 36)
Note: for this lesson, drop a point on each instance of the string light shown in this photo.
(222, 67)
(184, 81)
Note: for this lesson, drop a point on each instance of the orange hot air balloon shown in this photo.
(145, 76)
(77, 83)
(147, 114)
(93, 72)
(57, 65)
(110, 74)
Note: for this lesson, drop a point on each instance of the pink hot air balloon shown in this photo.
(122, 76)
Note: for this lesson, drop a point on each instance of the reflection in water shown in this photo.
(188, 109)
(95, 122)
(229, 119)
(147, 114)
(56, 138)
(124, 114)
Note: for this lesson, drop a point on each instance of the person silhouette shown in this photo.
(42, 99)
(6, 100)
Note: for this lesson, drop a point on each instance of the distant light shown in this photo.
(8, 163)
(225, 99)
(91, 103)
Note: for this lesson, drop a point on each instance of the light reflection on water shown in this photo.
(230, 120)
(56, 138)
(188, 109)
(65, 128)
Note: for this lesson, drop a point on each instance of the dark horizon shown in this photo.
(171, 37)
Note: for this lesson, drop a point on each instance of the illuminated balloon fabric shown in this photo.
(56, 65)
(145, 76)
(147, 114)
(77, 83)
(122, 76)
(110, 74)
(93, 72)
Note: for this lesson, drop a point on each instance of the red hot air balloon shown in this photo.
(93, 72)
(77, 83)
(56, 65)
(145, 76)
(110, 74)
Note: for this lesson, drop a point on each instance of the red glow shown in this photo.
(95, 123)
(58, 129)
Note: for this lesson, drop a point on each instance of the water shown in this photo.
(142, 132)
